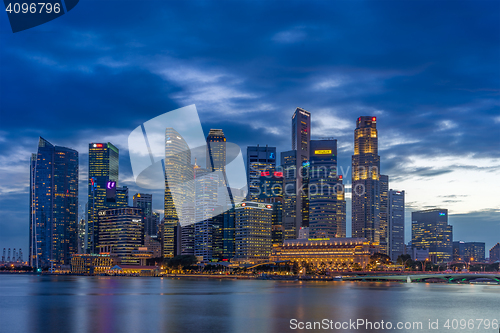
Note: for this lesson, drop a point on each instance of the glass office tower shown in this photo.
(430, 230)
(327, 216)
(396, 224)
(53, 205)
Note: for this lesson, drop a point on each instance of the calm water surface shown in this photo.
(119, 304)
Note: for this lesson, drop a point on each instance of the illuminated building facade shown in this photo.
(430, 230)
(384, 214)
(145, 202)
(253, 222)
(205, 205)
(260, 160)
(301, 137)
(495, 253)
(103, 173)
(289, 169)
(53, 205)
(121, 232)
(216, 151)
(469, 251)
(178, 188)
(327, 207)
(396, 224)
(365, 180)
(334, 254)
(91, 264)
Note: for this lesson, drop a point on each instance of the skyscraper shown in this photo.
(216, 150)
(121, 231)
(301, 136)
(365, 181)
(205, 204)
(384, 214)
(259, 160)
(430, 230)
(288, 165)
(102, 184)
(145, 202)
(396, 224)
(53, 205)
(253, 232)
(326, 192)
(178, 187)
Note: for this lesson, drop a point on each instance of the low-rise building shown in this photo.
(91, 264)
(334, 253)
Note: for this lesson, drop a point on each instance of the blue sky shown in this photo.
(428, 70)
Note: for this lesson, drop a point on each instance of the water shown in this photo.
(120, 304)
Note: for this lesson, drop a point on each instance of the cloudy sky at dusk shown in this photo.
(429, 71)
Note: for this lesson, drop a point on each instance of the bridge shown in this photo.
(439, 277)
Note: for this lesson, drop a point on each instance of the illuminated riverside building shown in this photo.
(365, 180)
(178, 187)
(103, 171)
(430, 230)
(121, 232)
(396, 224)
(384, 214)
(327, 207)
(259, 160)
(253, 223)
(53, 205)
(335, 253)
(91, 264)
(469, 251)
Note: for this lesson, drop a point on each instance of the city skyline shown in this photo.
(437, 139)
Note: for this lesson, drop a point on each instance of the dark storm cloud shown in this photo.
(428, 70)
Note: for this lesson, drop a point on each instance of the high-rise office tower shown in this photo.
(259, 160)
(216, 150)
(121, 231)
(145, 202)
(384, 214)
(327, 210)
(288, 165)
(430, 230)
(178, 187)
(365, 181)
(205, 204)
(102, 184)
(301, 137)
(396, 224)
(253, 232)
(53, 205)
(228, 234)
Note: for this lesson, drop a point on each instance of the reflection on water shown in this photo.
(119, 304)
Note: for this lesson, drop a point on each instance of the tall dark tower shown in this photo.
(53, 205)
(366, 180)
(216, 153)
(301, 137)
